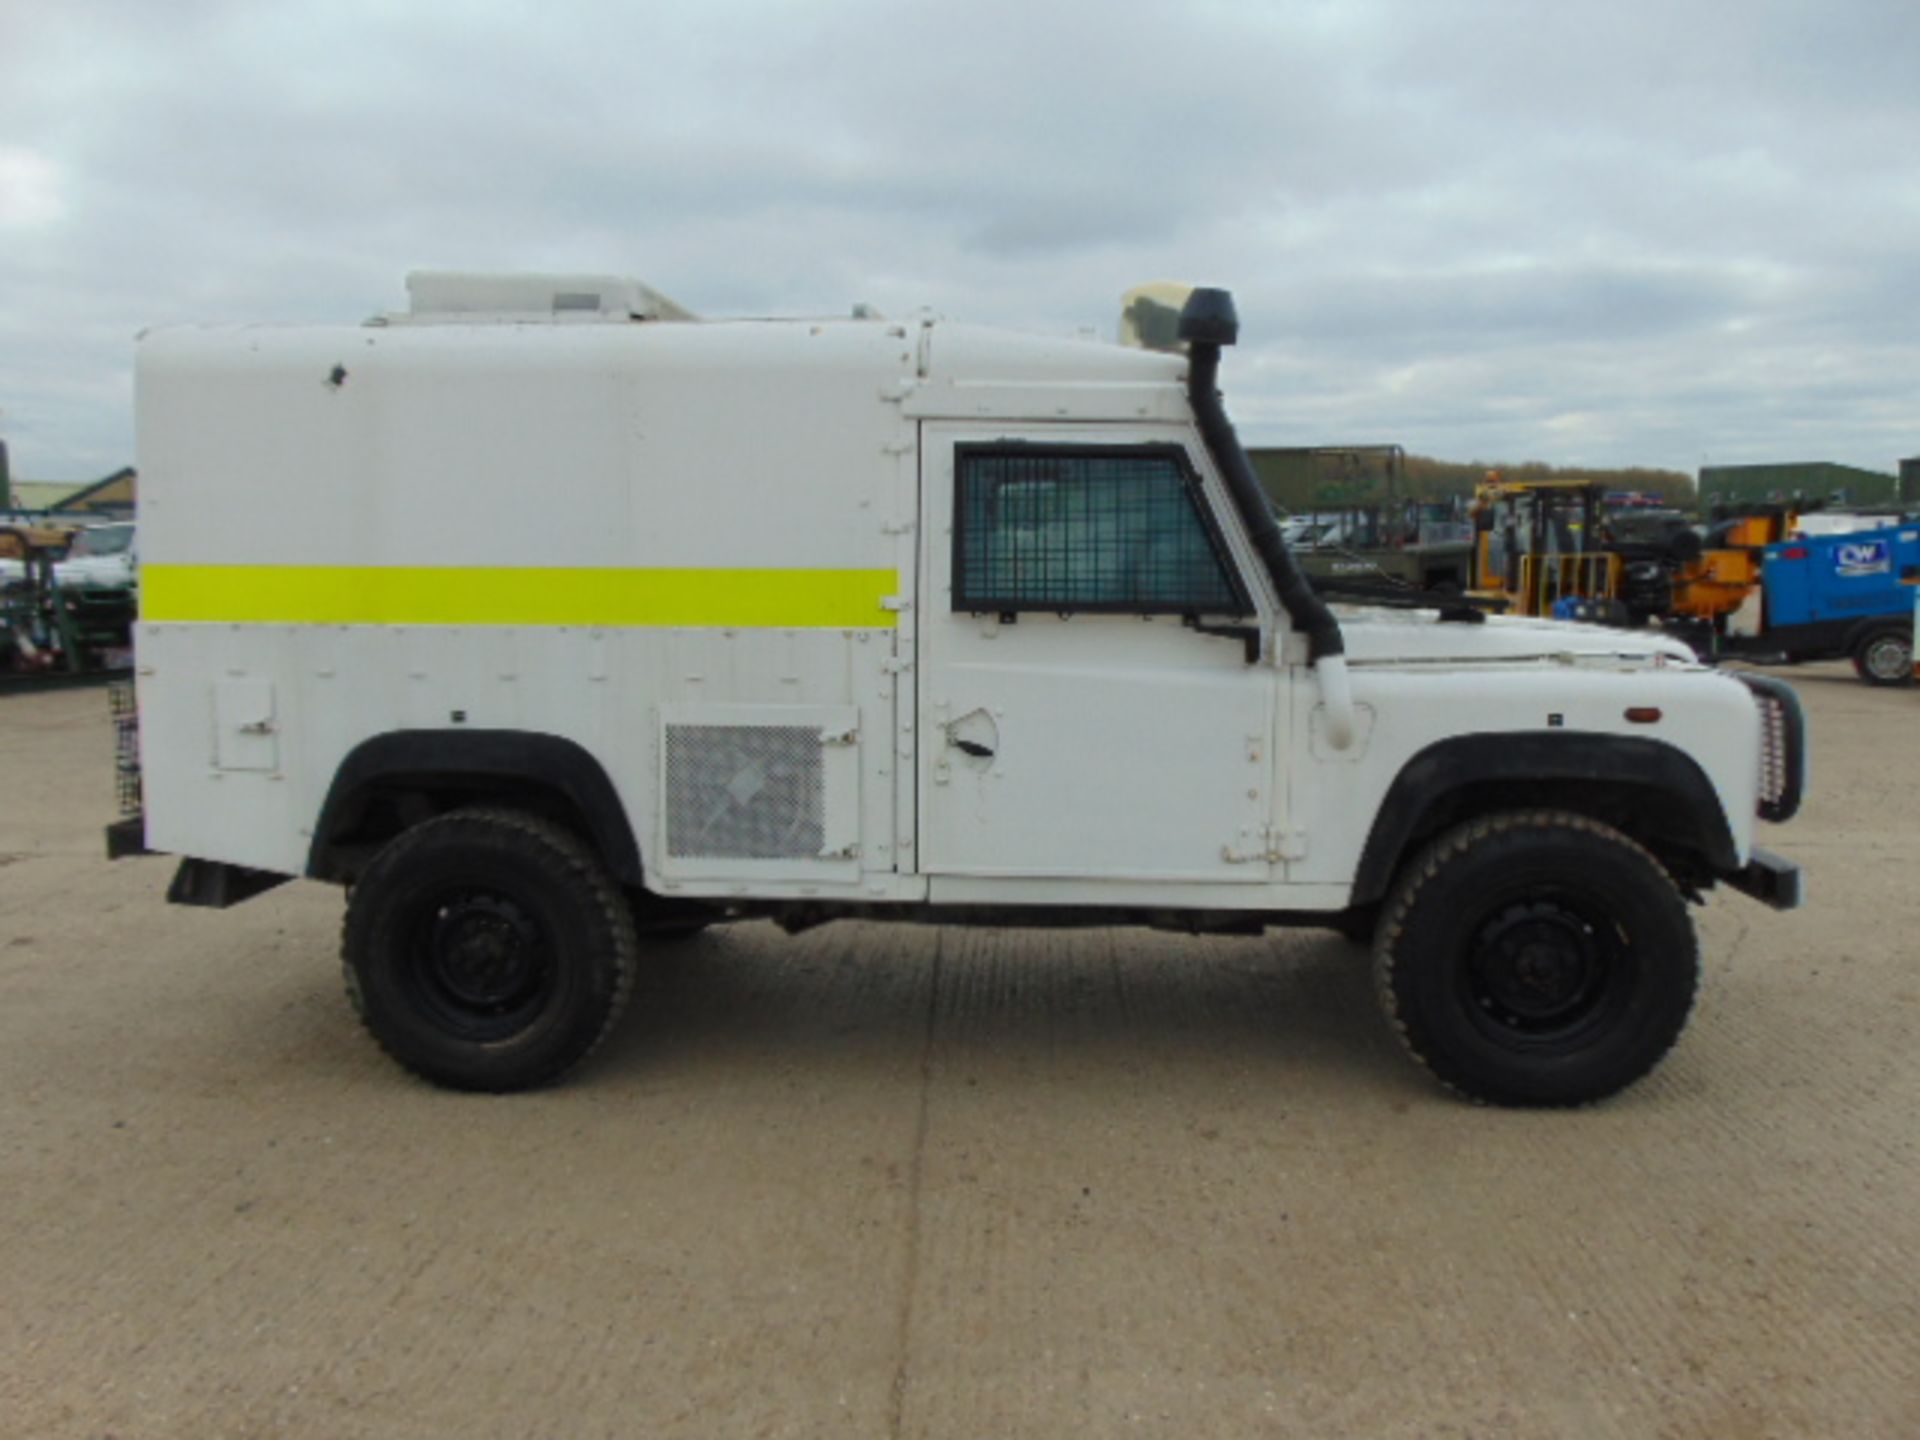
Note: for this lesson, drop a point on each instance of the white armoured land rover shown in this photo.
(553, 623)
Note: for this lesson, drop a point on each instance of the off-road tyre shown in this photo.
(488, 950)
(1885, 657)
(1536, 957)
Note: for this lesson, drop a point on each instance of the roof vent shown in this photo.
(445, 295)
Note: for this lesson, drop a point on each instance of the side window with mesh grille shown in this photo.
(1087, 528)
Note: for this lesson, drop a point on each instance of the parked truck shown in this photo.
(1846, 594)
(1766, 583)
(891, 621)
(67, 599)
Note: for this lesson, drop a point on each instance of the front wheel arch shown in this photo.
(1653, 792)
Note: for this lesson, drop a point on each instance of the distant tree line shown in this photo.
(1428, 478)
(1321, 477)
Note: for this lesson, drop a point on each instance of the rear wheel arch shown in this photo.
(1650, 791)
(391, 782)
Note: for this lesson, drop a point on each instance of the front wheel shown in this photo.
(1885, 658)
(488, 950)
(1536, 957)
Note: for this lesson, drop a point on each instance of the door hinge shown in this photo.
(1265, 844)
(1249, 848)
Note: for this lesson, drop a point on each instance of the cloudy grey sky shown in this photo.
(1593, 232)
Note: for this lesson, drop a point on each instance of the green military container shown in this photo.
(1350, 517)
(1330, 477)
(1806, 481)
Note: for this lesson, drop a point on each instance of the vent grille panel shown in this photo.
(126, 746)
(1783, 747)
(745, 792)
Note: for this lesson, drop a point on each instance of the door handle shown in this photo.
(981, 738)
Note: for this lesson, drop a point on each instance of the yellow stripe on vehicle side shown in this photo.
(513, 595)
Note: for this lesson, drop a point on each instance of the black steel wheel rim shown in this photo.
(1544, 972)
(478, 962)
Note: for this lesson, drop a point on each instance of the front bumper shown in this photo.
(1769, 879)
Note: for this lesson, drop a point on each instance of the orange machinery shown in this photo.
(1716, 583)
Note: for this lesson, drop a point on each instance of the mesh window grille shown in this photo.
(745, 792)
(126, 746)
(1092, 530)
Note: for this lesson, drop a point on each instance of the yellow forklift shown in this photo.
(1538, 550)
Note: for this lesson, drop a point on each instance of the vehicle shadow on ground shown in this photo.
(896, 999)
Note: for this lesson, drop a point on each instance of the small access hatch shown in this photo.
(767, 791)
(245, 736)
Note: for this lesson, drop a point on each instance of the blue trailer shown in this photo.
(1830, 597)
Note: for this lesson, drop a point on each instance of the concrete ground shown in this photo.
(875, 1182)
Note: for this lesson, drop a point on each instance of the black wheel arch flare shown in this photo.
(480, 762)
(1448, 782)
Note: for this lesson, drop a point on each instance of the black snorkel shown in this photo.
(1208, 322)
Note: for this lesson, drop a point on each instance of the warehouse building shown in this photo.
(1808, 481)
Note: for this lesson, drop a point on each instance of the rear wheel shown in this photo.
(1885, 657)
(1536, 958)
(488, 950)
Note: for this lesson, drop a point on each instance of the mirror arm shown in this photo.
(1247, 635)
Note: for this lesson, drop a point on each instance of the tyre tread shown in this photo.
(1427, 866)
(578, 858)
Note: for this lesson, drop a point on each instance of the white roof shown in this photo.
(934, 368)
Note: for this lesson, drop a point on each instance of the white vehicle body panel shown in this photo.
(514, 473)
(635, 536)
(1709, 717)
(1094, 721)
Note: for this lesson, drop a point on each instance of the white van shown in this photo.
(552, 622)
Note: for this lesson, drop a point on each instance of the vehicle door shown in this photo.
(1073, 720)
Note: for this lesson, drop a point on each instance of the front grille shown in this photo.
(1783, 747)
(126, 745)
